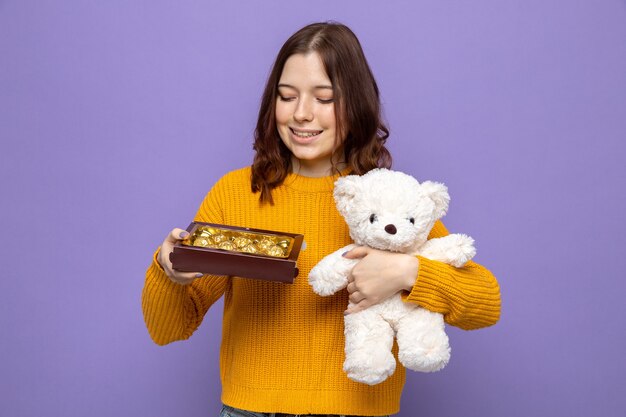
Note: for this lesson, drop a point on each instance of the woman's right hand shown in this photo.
(175, 236)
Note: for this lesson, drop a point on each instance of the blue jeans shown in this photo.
(228, 411)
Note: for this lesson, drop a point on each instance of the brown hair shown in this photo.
(357, 107)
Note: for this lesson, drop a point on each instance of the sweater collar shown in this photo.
(313, 184)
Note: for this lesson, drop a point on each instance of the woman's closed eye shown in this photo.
(284, 98)
(321, 100)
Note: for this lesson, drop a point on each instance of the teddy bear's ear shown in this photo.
(438, 193)
(346, 190)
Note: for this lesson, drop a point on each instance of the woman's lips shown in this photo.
(304, 135)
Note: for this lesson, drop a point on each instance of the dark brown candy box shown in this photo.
(219, 249)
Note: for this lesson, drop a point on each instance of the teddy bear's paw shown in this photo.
(429, 357)
(462, 251)
(371, 369)
(316, 281)
(325, 281)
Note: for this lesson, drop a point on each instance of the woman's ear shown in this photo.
(346, 190)
(438, 193)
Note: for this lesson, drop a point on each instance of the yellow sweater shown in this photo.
(282, 345)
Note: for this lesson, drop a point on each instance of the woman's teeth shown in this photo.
(305, 134)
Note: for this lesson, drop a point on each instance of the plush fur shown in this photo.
(392, 211)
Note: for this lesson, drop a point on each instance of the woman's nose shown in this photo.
(303, 112)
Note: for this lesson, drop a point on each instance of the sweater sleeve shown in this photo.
(468, 297)
(174, 311)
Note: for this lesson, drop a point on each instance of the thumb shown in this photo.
(356, 253)
(176, 235)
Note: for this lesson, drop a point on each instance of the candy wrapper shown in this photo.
(219, 249)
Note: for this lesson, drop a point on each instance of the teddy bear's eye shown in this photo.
(373, 218)
(412, 220)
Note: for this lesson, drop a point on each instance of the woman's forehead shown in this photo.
(305, 71)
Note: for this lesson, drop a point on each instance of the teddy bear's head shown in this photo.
(390, 210)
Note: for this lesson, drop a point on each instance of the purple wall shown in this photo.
(116, 117)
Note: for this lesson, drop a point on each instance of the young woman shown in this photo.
(282, 345)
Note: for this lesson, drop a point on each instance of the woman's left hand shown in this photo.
(378, 276)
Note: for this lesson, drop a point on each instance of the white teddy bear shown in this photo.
(392, 211)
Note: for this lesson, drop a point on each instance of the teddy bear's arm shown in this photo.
(331, 273)
(454, 249)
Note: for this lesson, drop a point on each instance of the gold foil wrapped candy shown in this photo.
(251, 248)
(248, 242)
(242, 241)
(227, 245)
(264, 244)
(283, 243)
(276, 251)
(204, 241)
(219, 238)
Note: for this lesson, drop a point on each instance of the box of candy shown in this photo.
(219, 249)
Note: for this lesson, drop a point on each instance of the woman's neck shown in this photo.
(316, 170)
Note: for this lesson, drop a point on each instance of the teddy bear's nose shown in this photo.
(391, 229)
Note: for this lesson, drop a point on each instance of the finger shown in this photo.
(351, 287)
(356, 297)
(176, 234)
(356, 308)
(358, 252)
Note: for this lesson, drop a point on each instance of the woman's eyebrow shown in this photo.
(317, 87)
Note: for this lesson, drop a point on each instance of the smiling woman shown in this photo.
(320, 82)
(283, 345)
(305, 117)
